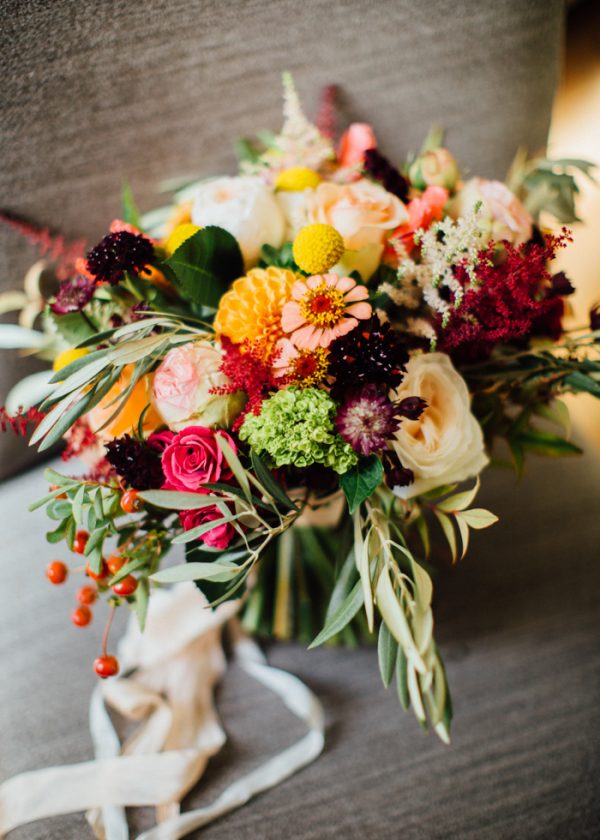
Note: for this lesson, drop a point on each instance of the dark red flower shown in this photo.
(377, 167)
(248, 371)
(138, 462)
(218, 537)
(367, 420)
(117, 253)
(72, 295)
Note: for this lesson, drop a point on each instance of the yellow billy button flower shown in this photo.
(296, 179)
(67, 356)
(179, 235)
(317, 248)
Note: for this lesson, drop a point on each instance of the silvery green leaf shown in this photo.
(387, 651)
(341, 617)
(174, 500)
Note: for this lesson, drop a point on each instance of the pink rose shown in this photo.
(355, 141)
(193, 458)
(501, 214)
(186, 388)
(218, 537)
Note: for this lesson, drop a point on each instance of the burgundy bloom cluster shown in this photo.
(73, 295)
(516, 297)
(138, 462)
(378, 167)
(118, 252)
(367, 364)
(20, 421)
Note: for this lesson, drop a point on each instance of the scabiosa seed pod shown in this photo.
(411, 407)
(138, 462)
(377, 167)
(374, 354)
(117, 253)
(367, 420)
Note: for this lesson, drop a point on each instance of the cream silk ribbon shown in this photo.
(174, 666)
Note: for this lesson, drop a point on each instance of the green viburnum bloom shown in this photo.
(295, 427)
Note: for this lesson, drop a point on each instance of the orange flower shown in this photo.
(323, 308)
(128, 417)
(251, 310)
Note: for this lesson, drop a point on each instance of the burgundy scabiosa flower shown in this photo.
(367, 420)
(374, 354)
(72, 295)
(396, 475)
(595, 317)
(377, 167)
(117, 253)
(138, 462)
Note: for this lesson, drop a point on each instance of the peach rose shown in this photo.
(502, 216)
(445, 445)
(363, 212)
(183, 385)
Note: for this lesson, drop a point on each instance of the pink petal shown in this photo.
(345, 326)
(298, 290)
(344, 284)
(359, 310)
(358, 293)
(303, 337)
(291, 316)
(314, 281)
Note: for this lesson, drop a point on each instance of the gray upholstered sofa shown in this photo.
(93, 92)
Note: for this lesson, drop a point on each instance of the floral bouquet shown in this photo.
(289, 373)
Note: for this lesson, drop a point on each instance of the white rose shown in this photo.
(445, 445)
(246, 207)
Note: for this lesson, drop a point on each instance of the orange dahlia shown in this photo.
(251, 310)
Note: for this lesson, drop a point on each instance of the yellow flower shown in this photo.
(297, 178)
(317, 248)
(251, 309)
(67, 356)
(179, 235)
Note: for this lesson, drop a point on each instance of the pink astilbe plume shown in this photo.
(56, 248)
(513, 300)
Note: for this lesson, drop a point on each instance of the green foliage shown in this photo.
(203, 266)
(361, 481)
(279, 257)
(548, 185)
(130, 212)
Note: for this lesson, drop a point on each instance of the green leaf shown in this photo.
(341, 617)
(174, 500)
(387, 652)
(579, 381)
(478, 518)
(78, 501)
(402, 679)
(235, 465)
(130, 212)
(73, 327)
(218, 572)
(448, 530)
(544, 443)
(359, 482)
(141, 601)
(59, 532)
(268, 482)
(203, 266)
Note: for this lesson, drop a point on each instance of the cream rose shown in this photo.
(363, 212)
(246, 207)
(445, 445)
(183, 384)
(502, 216)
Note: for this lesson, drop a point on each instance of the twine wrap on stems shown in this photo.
(177, 661)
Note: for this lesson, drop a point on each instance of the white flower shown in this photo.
(246, 207)
(445, 445)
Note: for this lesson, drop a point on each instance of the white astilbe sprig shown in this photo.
(300, 142)
(443, 246)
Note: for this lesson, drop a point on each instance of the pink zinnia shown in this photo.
(323, 308)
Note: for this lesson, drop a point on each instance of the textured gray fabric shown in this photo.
(94, 92)
(517, 623)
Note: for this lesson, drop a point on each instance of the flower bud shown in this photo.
(435, 168)
(595, 316)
